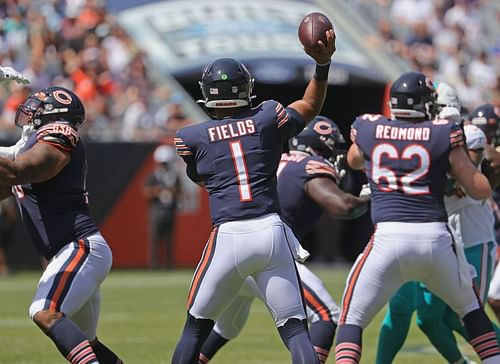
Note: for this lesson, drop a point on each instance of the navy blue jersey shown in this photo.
(298, 210)
(237, 159)
(406, 165)
(56, 211)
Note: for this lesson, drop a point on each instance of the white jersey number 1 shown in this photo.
(241, 171)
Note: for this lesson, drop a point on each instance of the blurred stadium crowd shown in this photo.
(456, 41)
(77, 44)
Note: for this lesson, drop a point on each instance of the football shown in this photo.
(313, 28)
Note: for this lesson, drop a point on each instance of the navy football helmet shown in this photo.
(486, 118)
(51, 104)
(320, 137)
(413, 96)
(226, 83)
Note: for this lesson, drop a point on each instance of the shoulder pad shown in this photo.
(371, 117)
(315, 167)
(474, 137)
(59, 134)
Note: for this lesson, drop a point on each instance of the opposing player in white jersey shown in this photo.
(307, 187)
(235, 156)
(406, 160)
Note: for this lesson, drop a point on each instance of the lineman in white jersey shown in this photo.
(471, 221)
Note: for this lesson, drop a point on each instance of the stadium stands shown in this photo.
(452, 40)
(77, 44)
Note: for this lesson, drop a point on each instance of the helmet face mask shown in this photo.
(51, 104)
(226, 83)
(25, 113)
(446, 96)
(413, 96)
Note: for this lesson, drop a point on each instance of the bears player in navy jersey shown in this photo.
(471, 222)
(307, 186)
(406, 160)
(235, 156)
(48, 179)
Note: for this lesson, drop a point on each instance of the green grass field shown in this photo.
(142, 315)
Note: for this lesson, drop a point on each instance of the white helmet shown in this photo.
(446, 95)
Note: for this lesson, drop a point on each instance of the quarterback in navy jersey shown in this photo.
(307, 187)
(47, 178)
(235, 157)
(406, 160)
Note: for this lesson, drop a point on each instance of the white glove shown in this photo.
(365, 191)
(27, 131)
(13, 151)
(10, 74)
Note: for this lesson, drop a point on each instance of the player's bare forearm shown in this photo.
(38, 164)
(476, 185)
(314, 96)
(312, 101)
(333, 200)
(355, 157)
(491, 166)
(5, 192)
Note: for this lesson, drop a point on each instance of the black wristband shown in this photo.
(321, 72)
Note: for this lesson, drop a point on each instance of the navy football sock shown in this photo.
(211, 346)
(322, 334)
(71, 342)
(481, 334)
(104, 354)
(296, 338)
(195, 333)
(348, 348)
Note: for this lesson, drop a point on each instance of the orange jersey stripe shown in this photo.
(352, 281)
(65, 276)
(201, 269)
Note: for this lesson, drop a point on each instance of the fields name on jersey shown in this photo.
(397, 133)
(231, 130)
